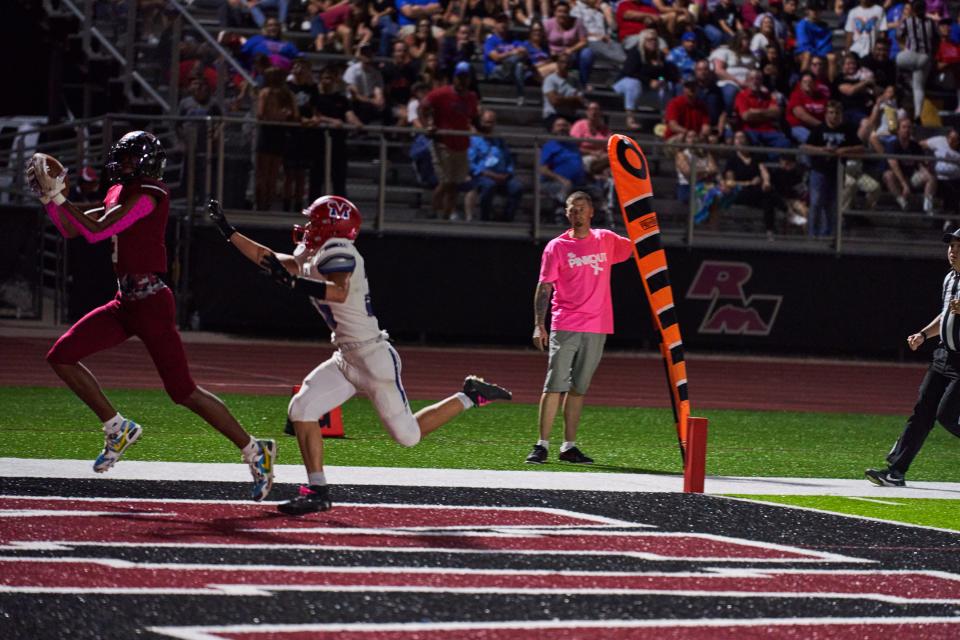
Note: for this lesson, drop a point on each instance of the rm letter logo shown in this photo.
(731, 311)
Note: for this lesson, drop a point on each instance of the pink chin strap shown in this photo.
(141, 208)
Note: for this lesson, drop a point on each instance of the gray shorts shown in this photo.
(574, 356)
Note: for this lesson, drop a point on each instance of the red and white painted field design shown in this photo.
(68, 521)
(710, 629)
(54, 524)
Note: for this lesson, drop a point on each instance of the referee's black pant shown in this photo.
(939, 401)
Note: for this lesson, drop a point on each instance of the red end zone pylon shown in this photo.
(331, 424)
(696, 459)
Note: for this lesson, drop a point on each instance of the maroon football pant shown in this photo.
(151, 319)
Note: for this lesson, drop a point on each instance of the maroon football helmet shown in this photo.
(330, 217)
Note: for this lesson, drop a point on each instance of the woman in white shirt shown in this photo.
(731, 63)
(765, 36)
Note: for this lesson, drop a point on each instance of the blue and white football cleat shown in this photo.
(261, 468)
(114, 445)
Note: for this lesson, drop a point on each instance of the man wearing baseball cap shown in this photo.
(451, 107)
(939, 399)
(685, 55)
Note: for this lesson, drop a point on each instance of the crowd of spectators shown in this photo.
(776, 79)
(746, 73)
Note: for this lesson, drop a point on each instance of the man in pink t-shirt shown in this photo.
(575, 270)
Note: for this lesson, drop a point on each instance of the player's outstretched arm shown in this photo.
(96, 221)
(254, 251)
(334, 290)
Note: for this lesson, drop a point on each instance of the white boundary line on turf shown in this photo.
(484, 479)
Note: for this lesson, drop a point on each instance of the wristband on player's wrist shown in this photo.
(309, 286)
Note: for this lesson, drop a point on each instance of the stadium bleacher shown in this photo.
(141, 68)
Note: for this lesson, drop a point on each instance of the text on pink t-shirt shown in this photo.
(579, 270)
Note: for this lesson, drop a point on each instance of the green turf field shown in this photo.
(52, 423)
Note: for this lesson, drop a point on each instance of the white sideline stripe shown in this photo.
(211, 632)
(484, 479)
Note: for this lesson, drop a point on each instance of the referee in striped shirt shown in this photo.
(940, 390)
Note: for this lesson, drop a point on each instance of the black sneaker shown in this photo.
(312, 499)
(885, 477)
(575, 456)
(538, 455)
(482, 392)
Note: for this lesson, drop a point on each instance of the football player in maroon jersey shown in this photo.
(134, 217)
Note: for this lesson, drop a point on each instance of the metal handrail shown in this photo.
(523, 143)
(46, 128)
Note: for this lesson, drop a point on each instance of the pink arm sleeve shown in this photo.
(54, 211)
(141, 208)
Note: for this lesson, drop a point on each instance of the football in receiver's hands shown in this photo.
(46, 176)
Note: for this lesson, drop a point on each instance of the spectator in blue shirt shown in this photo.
(269, 44)
(492, 170)
(684, 57)
(409, 11)
(894, 16)
(505, 59)
(814, 36)
(561, 170)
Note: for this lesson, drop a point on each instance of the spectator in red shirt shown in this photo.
(807, 107)
(632, 18)
(750, 10)
(948, 57)
(760, 113)
(450, 107)
(686, 112)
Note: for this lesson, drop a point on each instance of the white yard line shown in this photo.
(486, 479)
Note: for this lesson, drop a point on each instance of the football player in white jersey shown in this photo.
(327, 267)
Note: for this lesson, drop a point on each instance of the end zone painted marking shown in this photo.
(37, 575)
(866, 628)
(212, 523)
